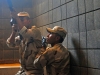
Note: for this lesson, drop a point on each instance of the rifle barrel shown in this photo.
(10, 5)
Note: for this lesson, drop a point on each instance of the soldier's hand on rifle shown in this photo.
(44, 43)
(14, 28)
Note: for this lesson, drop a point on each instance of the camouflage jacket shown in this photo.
(29, 46)
(56, 59)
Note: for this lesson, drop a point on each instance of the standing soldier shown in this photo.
(29, 42)
(56, 58)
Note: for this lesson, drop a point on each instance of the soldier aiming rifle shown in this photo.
(29, 41)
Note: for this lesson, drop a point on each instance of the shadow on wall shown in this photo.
(78, 59)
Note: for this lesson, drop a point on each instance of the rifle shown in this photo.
(12, 21)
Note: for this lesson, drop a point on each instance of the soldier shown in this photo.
(56, 58)
(29, 42)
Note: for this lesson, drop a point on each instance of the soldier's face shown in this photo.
(52, 38)
(25, 21)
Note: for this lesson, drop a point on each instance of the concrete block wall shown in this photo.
(81, 20)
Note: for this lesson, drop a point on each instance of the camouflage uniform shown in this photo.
(55, 58)
(28, 48)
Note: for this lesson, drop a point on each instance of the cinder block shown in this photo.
(45, 18)
(34, 12)
(70, 44)
(56, 3)
(81, 6)
(83, 40)
(29, 10)
(72, 9)
(89, 21)
(89, 5)
(96, 4)
(50, 16)
(40, 10)
(63, 11)
(97, 19)
(51, 25)
(44, 6)
(39, 21)
(57, 14)
(57, 23)
(83, 58)
(64, 25)
(82, 26)
(50, 4)
(75, 41)
(74, 58)
(98, 38)
(37, 10)
(91, 39)
(63, 1)
(97, 60)
(91, 58)
(72, 24)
